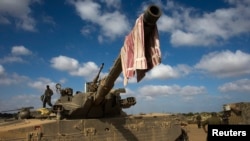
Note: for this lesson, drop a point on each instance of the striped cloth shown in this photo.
(135, 57)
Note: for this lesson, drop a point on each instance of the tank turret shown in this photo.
(100, 99)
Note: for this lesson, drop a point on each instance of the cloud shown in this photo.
(11, 59)
(112, 24)
(189, 27)
(166, 72)
(20, 50)
(164, 90)
(86, 69)
(86, 30)
(73, 67)
(112, 3)
(242, 85)
(41, 82)
(28, 100)
(64, 63)
(1, 70)
(20, 11)
(12, 79)
(225, 63)
(48, 20)
(16, 52)
(168, 24)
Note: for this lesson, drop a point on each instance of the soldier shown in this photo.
(198, 120)
(213, 120)
(225, 117)
(47, 97)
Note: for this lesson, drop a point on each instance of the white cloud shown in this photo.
(20, 50)
(64, 63)
(112, 24)
(40, 84)
(162, 72)
(225, 63)
(20, 11)
(160, 90)
(87, 10)
(179, 38)
(48, 20)
(12, 79)
(165, 71)
(1, 70)
(28, 100)
(242, 85)
(86, 30)
(167, 23)
(112, 3)
(183, 69)
(188, 27)
(15, 56)
(73, 67)
(88, 69)
(11, 59)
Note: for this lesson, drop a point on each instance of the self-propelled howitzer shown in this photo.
(99, 98)
(96, 114)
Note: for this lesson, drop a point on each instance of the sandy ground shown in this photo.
(195, 133)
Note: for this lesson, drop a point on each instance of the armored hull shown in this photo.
(153, 127)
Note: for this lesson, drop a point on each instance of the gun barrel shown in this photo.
(98, 74)
(17, 109)
(150, 17)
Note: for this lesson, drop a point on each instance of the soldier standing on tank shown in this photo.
(213, 120)
(47, 97)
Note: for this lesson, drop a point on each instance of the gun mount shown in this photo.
(81, 105)
(100, 98)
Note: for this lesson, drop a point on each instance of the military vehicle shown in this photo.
(96, 114)
(236, 113)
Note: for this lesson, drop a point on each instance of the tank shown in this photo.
(97, 113)
(236, 113)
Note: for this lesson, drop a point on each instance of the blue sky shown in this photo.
(204, 46)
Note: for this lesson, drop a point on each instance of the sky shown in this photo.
(205, 55)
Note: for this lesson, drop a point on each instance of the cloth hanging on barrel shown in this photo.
(135, 57)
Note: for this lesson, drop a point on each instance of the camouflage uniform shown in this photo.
(213, 120)
(198, 120)
(47, 97)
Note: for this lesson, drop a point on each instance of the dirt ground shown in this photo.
(195, 133)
